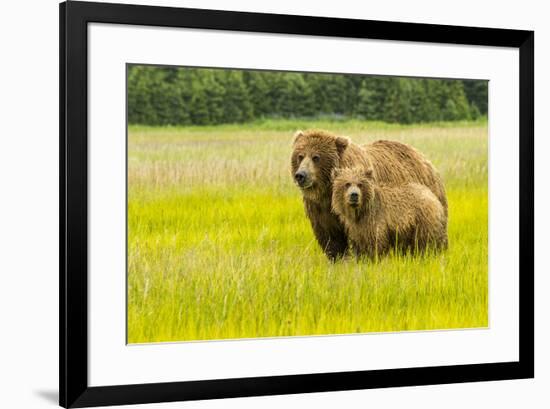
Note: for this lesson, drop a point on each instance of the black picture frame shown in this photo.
(73, 349)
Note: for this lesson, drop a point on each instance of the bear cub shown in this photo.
(377, 218)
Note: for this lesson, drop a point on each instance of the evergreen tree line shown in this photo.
(200, 96)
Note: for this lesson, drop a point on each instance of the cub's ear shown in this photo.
(369, 173)
(297, 136)
(335, 173)
(341, 143)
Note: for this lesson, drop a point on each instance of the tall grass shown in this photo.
(219, 245)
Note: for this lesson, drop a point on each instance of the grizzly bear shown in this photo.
(377, 218)
(316, 153)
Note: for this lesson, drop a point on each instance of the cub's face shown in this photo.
(352, 191)
(315, 154)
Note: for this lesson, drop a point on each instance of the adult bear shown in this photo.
(316, 153)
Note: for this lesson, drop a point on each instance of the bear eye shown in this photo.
(316, 158)
(348, 185)
(359, 185)
(300, 157)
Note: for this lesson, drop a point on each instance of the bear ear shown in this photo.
(335, 173)
(297, 136)
(341, 143)
(369, 173)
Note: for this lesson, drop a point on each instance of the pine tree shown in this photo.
(321, 95)
(236, 102)
(474, 111)
(477, 92)
(215, 97)
(140, 109)
(353, 86)
(455, 92)
(365, 106)
(295, 96)
(161, 94)
(257, 84)
(183, 86)
(335, 86)
(397, 103)
(199, 105)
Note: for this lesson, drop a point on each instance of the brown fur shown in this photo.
(396, 163)
(393, 163)
(408, 217)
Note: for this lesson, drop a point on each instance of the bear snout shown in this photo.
(300, 177)
(353, 197)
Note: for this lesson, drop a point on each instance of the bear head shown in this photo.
(315, 155)
(352, 191)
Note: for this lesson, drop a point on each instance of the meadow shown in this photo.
(219, 246)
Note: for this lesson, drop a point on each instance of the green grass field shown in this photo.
(219, 245)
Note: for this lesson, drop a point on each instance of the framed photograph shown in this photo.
(256, 204)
